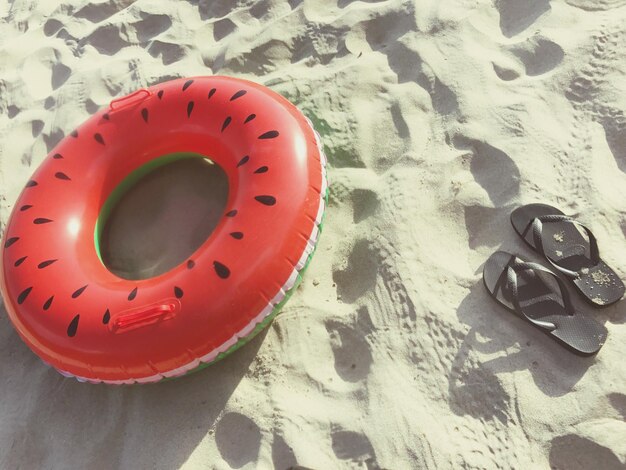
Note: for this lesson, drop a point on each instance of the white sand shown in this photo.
(439, 118)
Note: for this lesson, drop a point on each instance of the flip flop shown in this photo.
(525, 289)
(561, 240)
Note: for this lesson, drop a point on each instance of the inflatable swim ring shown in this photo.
(91, 324)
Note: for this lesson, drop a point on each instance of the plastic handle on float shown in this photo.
(144, 316)
(135, 97)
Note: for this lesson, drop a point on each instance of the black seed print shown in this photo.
(133, 294)
(105, 116)
(46, 306)
(20, 261)
(236, 235)
(187, 84)
(10, 241)
(190, 264)
(178, 292)
(226, 123)
(79, 291)
(25, 207)
(267, 200)
(144, 114)
(249, 118)
(71, 330)
(189, 108)
(62, 176)
(261, 169)
(221, 270)
(74, 134)
(239, 94)
(22, 297)
(212, 92)
(98, 138)
(41, 220)
(243, 161)
(31, 183)
(232, 213)
(46, 263)
(160, 94)
(269, 135)
(57, 156)
(106, 317)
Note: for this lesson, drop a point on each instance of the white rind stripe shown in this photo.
(267, 310)
(320, 212)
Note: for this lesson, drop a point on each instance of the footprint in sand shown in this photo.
(168, 52)
(485, 225)
(262, 59)
(409, 67)
(106, 39)
(294, 3)
(477, 392)
(36, 127)
(534, 57)
(359, 275)
(385, 30)
(13, 111)
(492, 169)
(52, 26)
(97, 12)
(60, 74)
(573, 452)
(354, 447)
(53, 138)
(262, 8)
(150, 26)
(618, 401)
(238, 439)
(223, 28)
(365, 204)
(213, 8)
(91, 106)
(282, 454)
(516, 16)
(353, 355)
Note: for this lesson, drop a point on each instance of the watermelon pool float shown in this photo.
(89, 323)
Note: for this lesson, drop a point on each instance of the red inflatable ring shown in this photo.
(89, 323)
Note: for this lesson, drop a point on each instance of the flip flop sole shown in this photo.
(565, 246)
(600, 285)
(578, 333)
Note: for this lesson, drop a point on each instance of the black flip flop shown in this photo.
(522, 288)
(560, 239)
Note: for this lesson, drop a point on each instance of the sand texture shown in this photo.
(438, 119)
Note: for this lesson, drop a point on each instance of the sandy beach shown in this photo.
(438, 119)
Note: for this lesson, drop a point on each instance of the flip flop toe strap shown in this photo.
(512, 283)
(537, 227)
